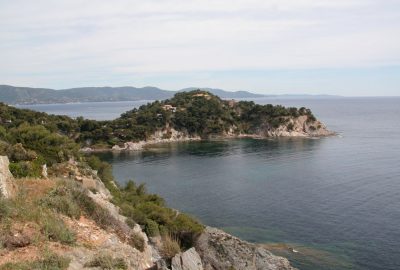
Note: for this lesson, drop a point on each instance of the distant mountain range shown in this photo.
(27, 95)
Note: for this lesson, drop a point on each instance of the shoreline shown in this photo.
(142, 145)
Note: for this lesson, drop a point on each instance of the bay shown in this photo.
(336, 200)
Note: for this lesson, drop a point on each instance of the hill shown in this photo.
(224, 94)
(27, 95)
(186, 116)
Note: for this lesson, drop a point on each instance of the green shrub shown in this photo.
(27, 168)
(107, 262)
(50, 261)
(56, 230)
(71, 199)
(19, 169)
(61, 200)
(100, 215)
(151, 228)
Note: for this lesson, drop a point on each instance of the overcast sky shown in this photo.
(345, 47)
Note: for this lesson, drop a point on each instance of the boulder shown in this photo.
(7, 186)
(220, 251)
(188, 260)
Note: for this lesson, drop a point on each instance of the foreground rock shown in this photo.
(94, 242)
(219, 250)
(7, 187)
(188, 260)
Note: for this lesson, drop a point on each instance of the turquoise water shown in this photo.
(336, 200)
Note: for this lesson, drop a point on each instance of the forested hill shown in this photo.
(196, 113)
(27, 95)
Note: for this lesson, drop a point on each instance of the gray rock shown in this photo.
(220, 251)
(160, 265)
(44, 171)
(7, 187)
(188, 260)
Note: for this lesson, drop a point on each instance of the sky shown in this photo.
(340, 47)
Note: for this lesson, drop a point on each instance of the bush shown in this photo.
(52, 146)
(71, 199)
(19, 170)
(151, 228)
(107, 262)
(56, 230)
(100, 215)
(136, 241)
(61, 200)
(50, 261)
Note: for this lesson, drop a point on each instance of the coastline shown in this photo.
(142, 145)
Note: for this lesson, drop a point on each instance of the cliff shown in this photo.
(58, 235)
(293, 127)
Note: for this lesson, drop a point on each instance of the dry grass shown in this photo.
(34, 188)
(170, 246)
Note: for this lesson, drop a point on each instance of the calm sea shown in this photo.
(335, 200)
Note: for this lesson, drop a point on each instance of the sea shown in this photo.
(324, 203)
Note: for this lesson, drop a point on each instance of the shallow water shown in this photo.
(336, 200)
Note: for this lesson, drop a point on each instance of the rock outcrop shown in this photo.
(165, 135)
(188, 260)
(295, 127)
(7, 187)
(94, 242)
(219, 251)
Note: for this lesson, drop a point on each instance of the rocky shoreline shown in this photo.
(299, 128)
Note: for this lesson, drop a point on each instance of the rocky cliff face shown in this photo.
(165, 135)
(295, 127)
(7, 186)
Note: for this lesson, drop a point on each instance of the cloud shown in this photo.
(54, 40)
